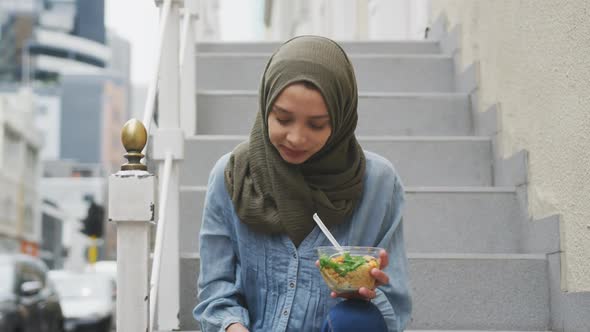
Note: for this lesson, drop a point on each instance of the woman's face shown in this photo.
(299, 123)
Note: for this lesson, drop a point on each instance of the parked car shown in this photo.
(28, 301)
(109, 269)
(86, 300)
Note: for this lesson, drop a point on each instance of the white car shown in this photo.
(109, 269)
(86, 300)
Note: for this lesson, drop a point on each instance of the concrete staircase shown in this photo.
(464, 235)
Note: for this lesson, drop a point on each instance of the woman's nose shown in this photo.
(296, 137)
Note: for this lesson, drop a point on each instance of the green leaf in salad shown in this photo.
(349, 263)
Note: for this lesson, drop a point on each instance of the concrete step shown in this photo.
(452, 292)
(481, 292)
(372, 47)
(463, 220)
(374, 73)
(421, 161)
(452, 219)
(410, 114)
(189, 273)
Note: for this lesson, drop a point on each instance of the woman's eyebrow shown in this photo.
(279, 109)
(320, 116)
(284, 111)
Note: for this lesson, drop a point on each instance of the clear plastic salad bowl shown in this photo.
(349, 270)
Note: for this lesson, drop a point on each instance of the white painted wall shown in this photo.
(207, 26)
(343, 19)
(350, 19)
(398, 19)
(283, 20)
(388, 19)
(534, 61)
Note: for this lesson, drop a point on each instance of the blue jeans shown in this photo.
(354, 315)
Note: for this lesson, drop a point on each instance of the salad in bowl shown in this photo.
(350, 269)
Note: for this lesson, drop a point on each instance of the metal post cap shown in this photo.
(134, 138)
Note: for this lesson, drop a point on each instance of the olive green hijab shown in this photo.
(273, 196)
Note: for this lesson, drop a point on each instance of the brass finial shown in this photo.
(134, 137)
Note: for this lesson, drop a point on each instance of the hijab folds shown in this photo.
(273, 196)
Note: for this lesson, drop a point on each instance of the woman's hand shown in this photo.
(236, 327)
(380, 277)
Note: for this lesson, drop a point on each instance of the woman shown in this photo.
(258, 240)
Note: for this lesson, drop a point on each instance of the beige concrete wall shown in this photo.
(535, 61)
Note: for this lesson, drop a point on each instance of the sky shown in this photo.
(139, 31)
(137, 21)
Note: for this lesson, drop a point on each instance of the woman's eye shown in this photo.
(283, 121)
(317, 127)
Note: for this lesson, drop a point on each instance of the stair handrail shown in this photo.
(150, 103)
(187, 104)
(188, 70)
(148, 115)
(186, 20)
(173, 71)
(160, 231)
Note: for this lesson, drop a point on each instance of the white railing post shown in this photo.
(169, 137)
(161, 230)
(188, 78)
(131, 207)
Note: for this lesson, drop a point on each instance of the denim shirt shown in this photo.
(267, 284)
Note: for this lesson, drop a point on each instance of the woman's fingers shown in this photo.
(367, 293)
(363, 294)
(381, 277)
(383, 258)
(236, 327)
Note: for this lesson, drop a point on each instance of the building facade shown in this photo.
(20, 171)
(44, 39)
(79, 78)
(48, 120)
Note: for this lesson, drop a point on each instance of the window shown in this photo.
(31, 165)
(29, 219)
(11, 151)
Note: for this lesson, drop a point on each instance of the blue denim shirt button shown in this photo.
(285, 313)
(292, 284)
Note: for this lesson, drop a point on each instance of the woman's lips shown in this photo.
(294, 154)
